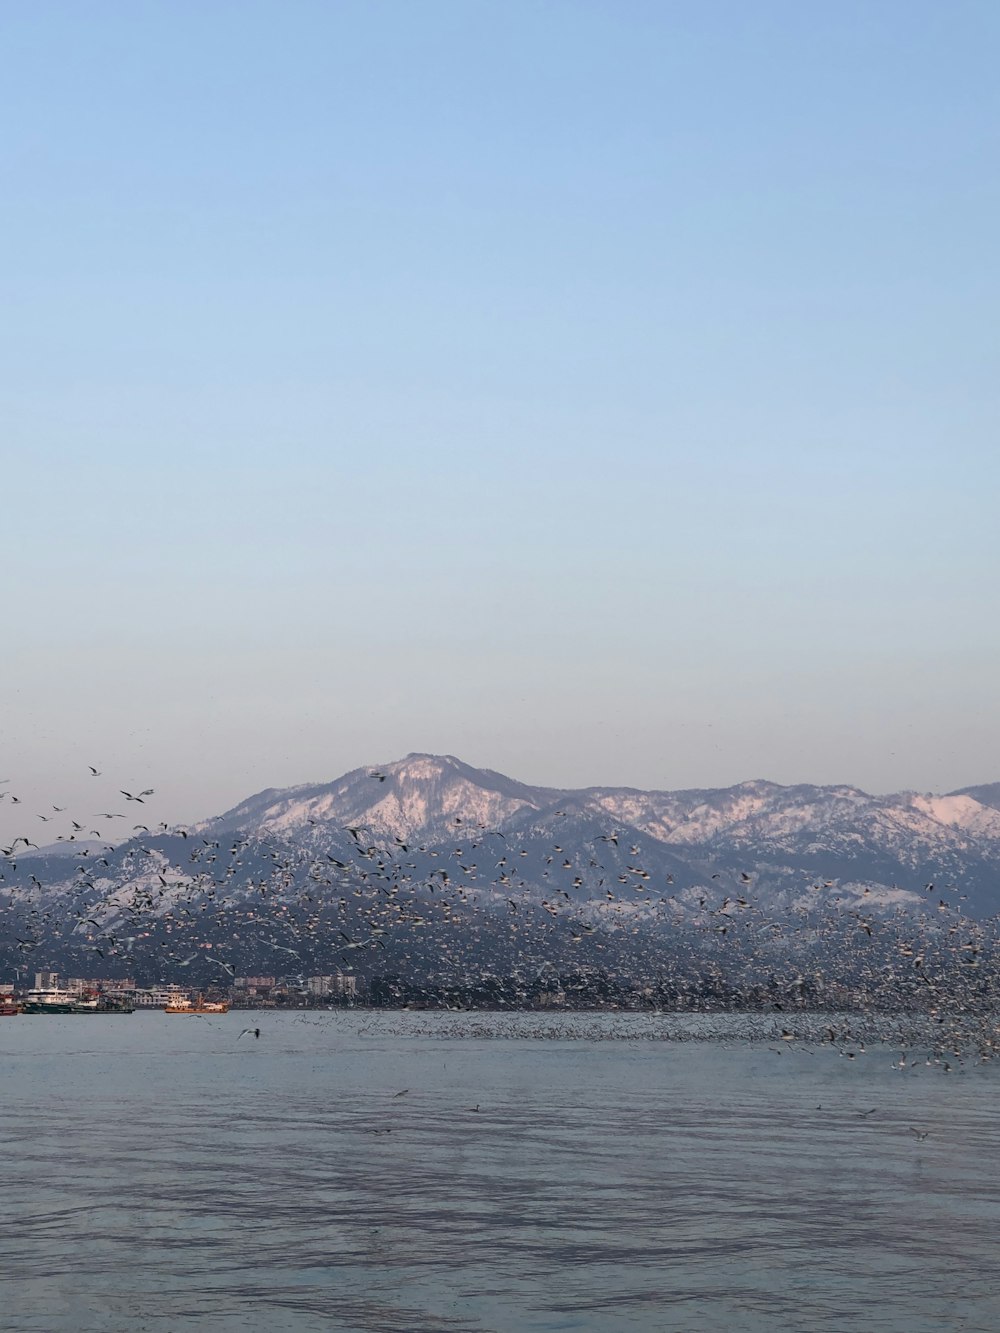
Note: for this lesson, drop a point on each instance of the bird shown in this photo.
(250, 1032)
(94, 771)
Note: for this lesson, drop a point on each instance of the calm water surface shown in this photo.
(538, 1173)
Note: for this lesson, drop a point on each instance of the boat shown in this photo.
(9, 1007)
(72, 1002)
(58, 1002)
(183, 1005)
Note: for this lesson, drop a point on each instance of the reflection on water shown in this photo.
(163, 1174)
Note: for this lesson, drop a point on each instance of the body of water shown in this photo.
(446, 1173)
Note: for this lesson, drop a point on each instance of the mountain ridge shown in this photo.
(429, 859)
(424, 794)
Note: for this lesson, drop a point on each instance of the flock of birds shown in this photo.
(488, 918)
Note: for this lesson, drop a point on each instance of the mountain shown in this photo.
(892, 845)
(421, 795)
(429, 864)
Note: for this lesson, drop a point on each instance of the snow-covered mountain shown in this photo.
(435, 859)
(419, 797)
(890, 840)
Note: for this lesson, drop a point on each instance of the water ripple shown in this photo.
(517, 1181)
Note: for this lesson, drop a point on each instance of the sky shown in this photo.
(603, 392)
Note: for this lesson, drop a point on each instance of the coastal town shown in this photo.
(52, 994)
(582, 989)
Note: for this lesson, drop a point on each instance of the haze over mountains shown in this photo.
(432, 861)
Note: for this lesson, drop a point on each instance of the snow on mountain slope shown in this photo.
(617, 854)
(422, 796)
(431, 798)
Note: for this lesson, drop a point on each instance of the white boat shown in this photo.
(57, 1002)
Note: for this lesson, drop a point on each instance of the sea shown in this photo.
(420, 1172)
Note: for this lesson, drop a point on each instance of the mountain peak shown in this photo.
(439, 800)
(421, 795)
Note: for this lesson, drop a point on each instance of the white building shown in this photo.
(339, 983)
(158, 997)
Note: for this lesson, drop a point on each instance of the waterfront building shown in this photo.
(158, 997)
(79, 985)
(338, 983)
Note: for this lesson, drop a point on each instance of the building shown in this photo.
(338, 984)
(46, 981)
(158, 997)
(99, 985)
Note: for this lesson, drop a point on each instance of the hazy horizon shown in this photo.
(601, 393)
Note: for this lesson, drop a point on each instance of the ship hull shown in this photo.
(30, 1008)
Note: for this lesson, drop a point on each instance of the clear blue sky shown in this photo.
(598, 391)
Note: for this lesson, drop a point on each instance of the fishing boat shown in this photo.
(9, 1007)
(183, 1005)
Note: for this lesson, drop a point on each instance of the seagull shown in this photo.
(94, 772)
(250, 1032)
(280, 947)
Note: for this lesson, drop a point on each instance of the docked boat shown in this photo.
(9, 1007)
(183, 1005)
(53, 1001)
(58, 1002)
